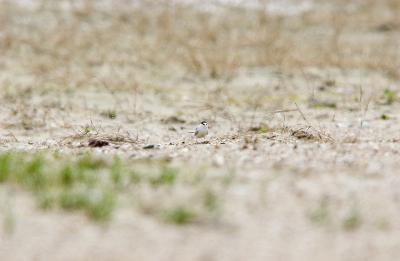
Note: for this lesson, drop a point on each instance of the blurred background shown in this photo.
(72, 43)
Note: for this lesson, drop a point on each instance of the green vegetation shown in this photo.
(353, 220)
(85, 184)
(385, 117)
(167, 176)
(86, 129)
(210, 200)
(4, 167)
(389, 96)
(93, 185)
(111, 114)
(320, 215)
(179, 216)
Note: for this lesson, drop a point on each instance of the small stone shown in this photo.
(152, 146)
(218, 160)
(95, 143)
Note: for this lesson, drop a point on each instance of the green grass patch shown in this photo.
(86, 183)
(385, 117)
(320, 215)
(179, 216)
(210, 200)
(389, 96)
(93, 185)
(111, 114)
(353, 220)
(167, 176)
(5, 161)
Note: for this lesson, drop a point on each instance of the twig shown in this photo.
(283, 110)
(319, 132)
(302, 114)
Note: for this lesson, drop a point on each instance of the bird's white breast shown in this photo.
(201, 131)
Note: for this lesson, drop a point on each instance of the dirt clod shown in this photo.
(94, 143)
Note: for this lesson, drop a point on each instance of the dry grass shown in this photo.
(85, 44)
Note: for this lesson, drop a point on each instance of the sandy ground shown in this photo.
(313, 151)
(282, 178)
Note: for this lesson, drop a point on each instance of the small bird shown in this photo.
(201, 130)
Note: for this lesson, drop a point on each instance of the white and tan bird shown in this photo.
(201, 130)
